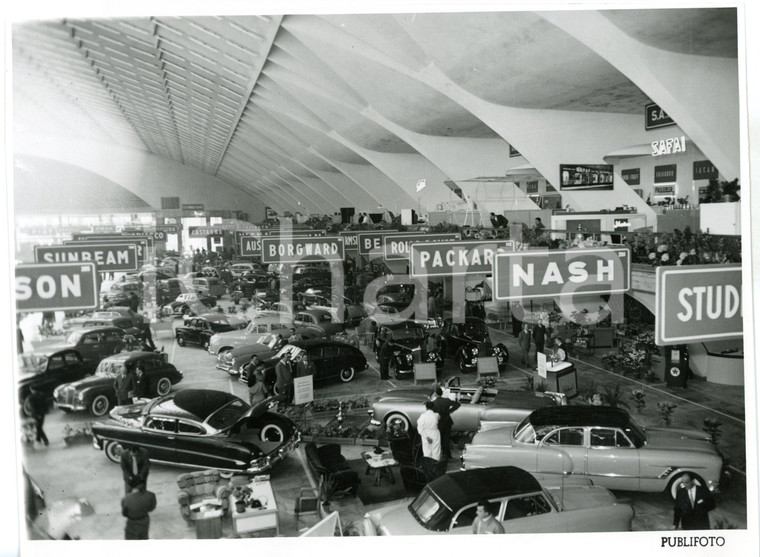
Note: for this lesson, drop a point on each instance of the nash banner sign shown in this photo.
(372, 241)
(107, 257)
(295, 250)
(545, 274)
(396, 246)
(697, 303)
(56, 286)
(473, 257)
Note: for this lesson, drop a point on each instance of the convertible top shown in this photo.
(462, 488)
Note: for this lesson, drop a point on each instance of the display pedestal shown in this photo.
(560, 378)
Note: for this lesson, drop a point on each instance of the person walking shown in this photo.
(384, 356)
(135, 466)
(427, 427)
(444, 407)
(136, 506)
(539, 337)
(485, 522)
(284, 375)
(38, 405)
(124, 385)
(523, 339)
(147, 336)
(692, 505)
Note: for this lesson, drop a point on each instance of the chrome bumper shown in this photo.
(72, 407)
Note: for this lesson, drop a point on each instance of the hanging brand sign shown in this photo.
(473, 257)
(697, 303)
(56, 286)
(294, 250)
(167, 228)
(669, 146)
(542, 274)
(140, 243)
(205, 231)
(396, 246)
(193, 207)
(532, 186)
(107, 257)
(704, 170)
(631, 176)
(586, 176)
(372, 241)
(350, 240)
(250, 244)
(655, 117)
(665, 173)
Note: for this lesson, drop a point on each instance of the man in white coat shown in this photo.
(427, 426)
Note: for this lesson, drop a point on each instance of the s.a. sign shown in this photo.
(698, 303)
(544, 274)
(56, 286)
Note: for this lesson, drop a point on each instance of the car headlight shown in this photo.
(80, 397)
(474, 350)
(408, 357)
(58, 391)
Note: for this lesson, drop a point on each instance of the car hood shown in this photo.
(250, 349)
(414, 394)
(237, 334)
(410, 343)
(92, 381)
(397, 520)
(581, 497)
(497, 436)
(678, 440)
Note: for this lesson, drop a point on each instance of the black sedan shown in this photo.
(204, 429)
(47, 369)
(200, 329)
(191, 303)
(408, 340)
(324, 359)
(97, 395)
(466, 342)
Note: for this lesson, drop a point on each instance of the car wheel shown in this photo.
(676, 482)
(163, 386)
(226, 474)
(276, 389)
(460, 362)
(114, 451)
(347, 374)
(398, 418)
(181, 341)
(26, 406)
(100, 405)
(273, 433)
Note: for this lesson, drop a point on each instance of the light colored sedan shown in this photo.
(405, 406)
(603, 444)
(521, 503)
(260, 325)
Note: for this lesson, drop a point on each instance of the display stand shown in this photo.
(424, 372)
(562, 378)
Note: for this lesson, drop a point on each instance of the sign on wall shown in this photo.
(294, 250)
(474, 257)
(698, 303)
(250, 244)
(542, 274)
(669, 146)
(396, 246)
(655, 117)
(168, 228)
(56, 286)
(631, 176)
(585, 176)
(350, 240)
(704, 170)
(531, 186)
(372, 241)
(193, 207)
(140, 243)
(669, 189)
(303, 389)
(107, 257)
(665, 173)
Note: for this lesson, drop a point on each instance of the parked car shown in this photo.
(525, 505)
(324, 359)
(96, 394)
(238, 269)
(352, 313)
(191, 303)
(317, 318)
(408, 340)
(209, 286)
(232, 361)
(93, 343)
(478, 405)
(113, 312)
(199, 330)
(169, 289)
(120, 293)
(466, 342)
(604, 444)
(204, 429)
(264, 322)
(46, 369)
(127, 324)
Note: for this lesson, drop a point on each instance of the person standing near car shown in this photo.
(124, 385)
(142, 388)
(539, 337)
(523, 339)
(135, 506)
(384, 356)
(38, 405)
(444, 406)
(692, 505)
(256, 388)
(135, 466)
(284, 375)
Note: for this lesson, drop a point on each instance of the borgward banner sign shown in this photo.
(544, 274)
(295, 250)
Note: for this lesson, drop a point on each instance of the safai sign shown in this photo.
(698, 303)
(543, 274)
(56, 286)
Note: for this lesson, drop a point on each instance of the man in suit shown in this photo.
(692, 505)
(444, 407)
(284, 374)
(135, 465)
(539, 337)
(135, 506)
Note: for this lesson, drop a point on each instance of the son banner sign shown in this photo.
(396, 247)
(108, 257)
(545, 274)
(696, 303)
(472, 257)
(56, 286)
(295, 250)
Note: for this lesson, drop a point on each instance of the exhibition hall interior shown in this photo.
(382, 274)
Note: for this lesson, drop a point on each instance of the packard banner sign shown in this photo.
(296, 250)
(56, 286)
(396, 246)
(473, 257)
(546, 274)
(108, 257)
(696, 303)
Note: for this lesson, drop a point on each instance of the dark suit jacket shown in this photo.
(444, 407)
(539, 336)
(143, 464)
(693, 518)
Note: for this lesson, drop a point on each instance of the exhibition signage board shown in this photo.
(396, 247)
(541, 361)
(350, 240)
(303, 389)
(586, 176)
(471, 257)
(656, 117)
(56, 286)
(140, 243)
(543, 273)
(704, 170)
(167, 228)
(250, 244)
(108, 257)
(295, 250)
(193, 207)
(159, 236)
(696, 303)
(372, 241)
(665, 173)
(206, 231)
(631, 176)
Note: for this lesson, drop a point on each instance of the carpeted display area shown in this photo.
(369, 493)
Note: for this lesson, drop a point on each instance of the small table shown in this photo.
(261, 518)
(380, 464)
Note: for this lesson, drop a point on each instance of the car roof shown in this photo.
(604, 416)
(130, 356)
(102, 329)
(315, 311)
(458, 489)
(198, 403)
(402, 325)
(310, 343)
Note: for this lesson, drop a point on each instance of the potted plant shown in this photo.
(242, 495)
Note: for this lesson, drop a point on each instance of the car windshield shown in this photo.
(636, 433)
(428, 510)
(110, 368)
(74, 337)
(31, 363)
(473, 329)
(294, 351)
(228, 415)
(266, 339)
(406, 334)
(525, 432)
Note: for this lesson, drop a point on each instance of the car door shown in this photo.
(90, 346)
(331, 361)
(73, 370)
(194, 330)
(558, 446)
(112, 342)
(531, 512)
(613, 461)
(315, 355)
(54, 375)
(158, 435)
(192, 447)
